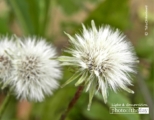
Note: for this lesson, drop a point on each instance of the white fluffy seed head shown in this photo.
(104, 57)
(36, 72)
(6, 47)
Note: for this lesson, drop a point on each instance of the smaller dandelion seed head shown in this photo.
(35, 74)
(5, 65)
(105, 58)
(7, 46)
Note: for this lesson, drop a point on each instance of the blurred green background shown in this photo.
(49, 19)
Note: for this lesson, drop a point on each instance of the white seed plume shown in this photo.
(104, 58)
(36, 72)
(6, 46)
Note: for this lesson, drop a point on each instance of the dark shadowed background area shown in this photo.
(49, 19)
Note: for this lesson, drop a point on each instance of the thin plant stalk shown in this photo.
(72, 102)
(4, 104)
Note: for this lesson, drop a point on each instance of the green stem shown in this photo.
(4, 105)
(72, 102)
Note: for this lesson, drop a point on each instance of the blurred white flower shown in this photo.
(35, 70)
(6, 46)
(104, 58)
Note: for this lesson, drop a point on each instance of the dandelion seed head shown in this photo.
(104, 58)
(36, 73)
(5, 66)
(6, 46)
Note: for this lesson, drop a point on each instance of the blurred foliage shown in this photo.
(10, 112)
(4, 23)
(4, 27)
(33, 18)
(148, 43)
(109, 12)
(31, 14)
(73, 6)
